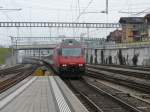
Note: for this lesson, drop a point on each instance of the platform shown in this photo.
(40, 94)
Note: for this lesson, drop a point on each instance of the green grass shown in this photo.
(3, 54)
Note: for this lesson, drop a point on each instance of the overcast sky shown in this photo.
(68, 10)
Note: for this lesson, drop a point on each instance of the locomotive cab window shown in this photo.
(71, 51)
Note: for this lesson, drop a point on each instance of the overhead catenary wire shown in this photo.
(136, 13)
(90, 2)
(10, 19)
(143, 11)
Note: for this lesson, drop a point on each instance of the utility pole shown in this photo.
(106, 6)
(13, 51)
(79, 6)
(106, 11)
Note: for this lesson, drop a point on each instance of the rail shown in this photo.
(135, 83)
(16, 78)
(114, 103)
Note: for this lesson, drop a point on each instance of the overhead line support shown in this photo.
(60, 24)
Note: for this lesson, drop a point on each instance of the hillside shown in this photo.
(4, 52)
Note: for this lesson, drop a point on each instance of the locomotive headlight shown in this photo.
(80, 65)
(64, 65)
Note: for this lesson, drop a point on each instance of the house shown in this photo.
(115, 36)
(132, 28)
(147, 26)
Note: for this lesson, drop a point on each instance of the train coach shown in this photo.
(69, 58)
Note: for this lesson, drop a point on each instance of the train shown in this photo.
(68, 58)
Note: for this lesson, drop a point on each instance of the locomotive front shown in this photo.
(71, 57)
(72, 60)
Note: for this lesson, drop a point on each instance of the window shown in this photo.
(71, 51)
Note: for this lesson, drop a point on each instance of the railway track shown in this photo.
(125, 96)
(132, 82)
(124, 71)
(98, 100)
(143, 68)
(14, 69)
(14, 78)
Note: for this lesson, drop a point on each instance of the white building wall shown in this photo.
(127, 53)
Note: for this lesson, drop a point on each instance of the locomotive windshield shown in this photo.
(71, 51)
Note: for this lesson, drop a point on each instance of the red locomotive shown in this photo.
(69, 58)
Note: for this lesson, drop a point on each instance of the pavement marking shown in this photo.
(62, 104)
(10, 97)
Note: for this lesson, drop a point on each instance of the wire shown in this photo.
(133, 12)
(136, 12)
(11, 9)
(7, 17)
(71, 9)
(90, 2)
(142, 11)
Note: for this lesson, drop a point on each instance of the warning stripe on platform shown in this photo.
(62, 104)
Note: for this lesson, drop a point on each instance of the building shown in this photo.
(147, 26)
(147, 19)
(115, 36)
(132, 28)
